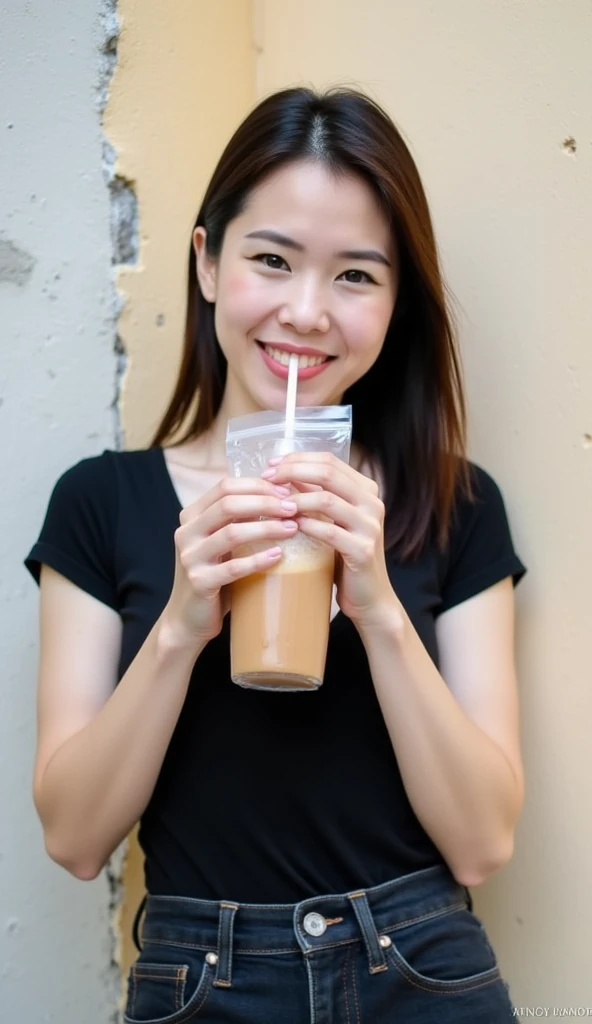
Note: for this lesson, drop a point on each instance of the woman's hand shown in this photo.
(211, 529)
(328, 486)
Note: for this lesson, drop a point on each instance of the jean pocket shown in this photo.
(446, 953)
(166, 991)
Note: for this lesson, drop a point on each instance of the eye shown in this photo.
(357, 277)
(271, 260)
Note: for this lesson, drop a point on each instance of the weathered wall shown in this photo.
(184, 79)
(495, 100)
(57, 386)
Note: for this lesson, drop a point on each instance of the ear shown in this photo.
(206, 266)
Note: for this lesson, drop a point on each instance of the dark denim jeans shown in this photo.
(410, 950)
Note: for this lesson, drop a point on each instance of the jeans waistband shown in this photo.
(224, 929)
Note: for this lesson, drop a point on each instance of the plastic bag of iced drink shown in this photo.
(280, 618)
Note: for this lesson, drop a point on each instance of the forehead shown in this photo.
(310, 202)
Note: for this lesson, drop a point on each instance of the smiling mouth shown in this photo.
(284, 357)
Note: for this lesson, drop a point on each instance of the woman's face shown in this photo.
(310, 264)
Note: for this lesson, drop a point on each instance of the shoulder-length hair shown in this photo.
(409, 411)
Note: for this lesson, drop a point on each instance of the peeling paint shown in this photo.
(124, 211)
(124, 235)
(115, 871)
(120, 371)
(16, 264)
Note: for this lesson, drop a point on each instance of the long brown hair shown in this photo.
(409, 411)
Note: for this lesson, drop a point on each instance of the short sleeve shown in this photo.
(481, 551)
(77, 538)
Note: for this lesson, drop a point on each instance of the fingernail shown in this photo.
(276, 460)
(280, 489)
(268, 474)
(288, 506)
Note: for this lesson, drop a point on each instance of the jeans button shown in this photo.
(314, 924)
(385, 942)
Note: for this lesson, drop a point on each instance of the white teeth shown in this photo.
(284, 358)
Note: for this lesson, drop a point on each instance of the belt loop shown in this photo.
(223, 977)
(136, 925)
(376, 957)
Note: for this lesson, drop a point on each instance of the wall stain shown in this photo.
(16, 264)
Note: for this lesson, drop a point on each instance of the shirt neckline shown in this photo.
(170, 485)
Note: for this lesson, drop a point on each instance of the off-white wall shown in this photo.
(57, 384)
(489, 95)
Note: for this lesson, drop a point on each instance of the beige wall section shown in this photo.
(184, 79)
(489, 94)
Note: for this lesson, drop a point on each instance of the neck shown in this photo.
(209, 449)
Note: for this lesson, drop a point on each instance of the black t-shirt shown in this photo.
(264, 797)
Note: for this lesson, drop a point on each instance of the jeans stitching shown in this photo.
(346, 961)
(311, 990)
(426, 984)
(133, 995)
(179, 984)
(355, 990)
(247, 949)
(194, 1010)
(425, 917)
(296, 949)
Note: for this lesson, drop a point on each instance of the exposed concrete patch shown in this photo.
(124, 220)
(115, 871)
(124, 239)
(124, 203)
(16, 264)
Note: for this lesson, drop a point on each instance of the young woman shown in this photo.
(307, 855)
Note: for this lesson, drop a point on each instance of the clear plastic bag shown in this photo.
(279, 619)
(253, 439)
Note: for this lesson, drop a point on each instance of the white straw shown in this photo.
(291, 396)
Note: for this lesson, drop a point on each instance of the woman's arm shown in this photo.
(456, 734)
(100, 747)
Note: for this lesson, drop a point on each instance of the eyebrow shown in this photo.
(373, 255)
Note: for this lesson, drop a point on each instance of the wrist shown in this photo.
(173, 638)
(387, 621)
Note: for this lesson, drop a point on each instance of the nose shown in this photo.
(304, 309)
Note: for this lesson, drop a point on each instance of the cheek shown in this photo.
(367, 325)
(241, 302)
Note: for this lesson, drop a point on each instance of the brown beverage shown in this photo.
(280, 619)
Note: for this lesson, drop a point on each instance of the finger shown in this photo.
(234, 536)
(225, 573)
(238, 507)
(331, 475)
(352, 547)
(331, 506)
(248, 485)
